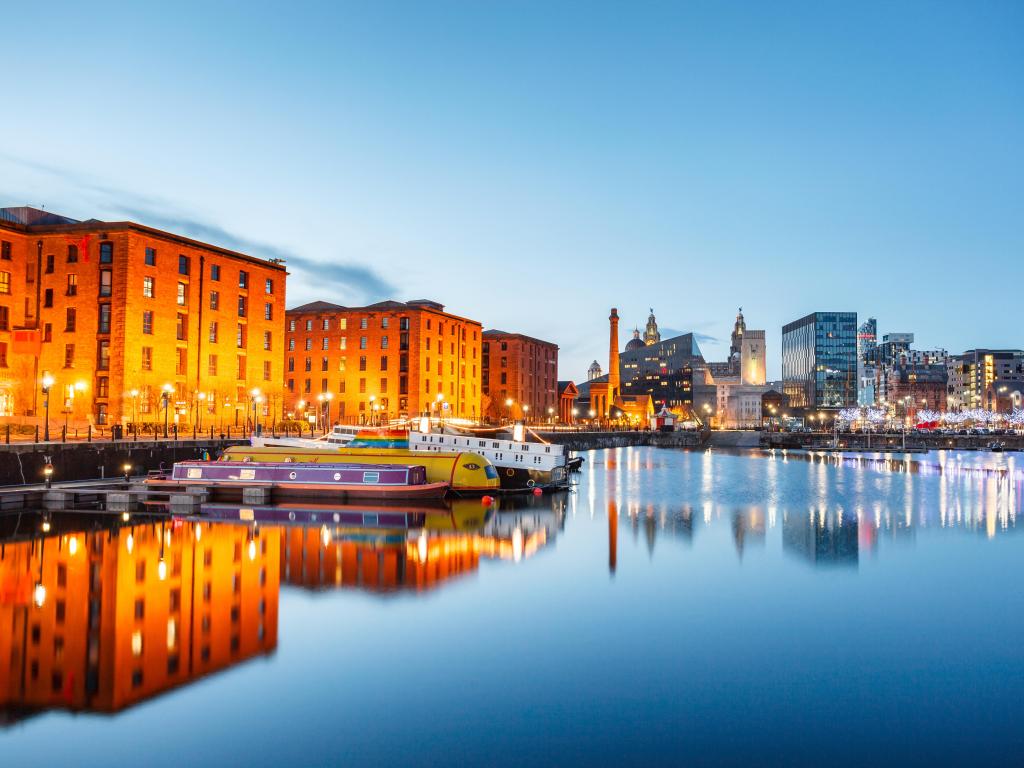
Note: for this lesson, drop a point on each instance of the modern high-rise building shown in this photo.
(521, 369)
(971, 374)
(819, 360)
(867, 341)
(117, 313)
(386, 360)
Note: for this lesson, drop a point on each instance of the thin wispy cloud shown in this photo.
(338, 281)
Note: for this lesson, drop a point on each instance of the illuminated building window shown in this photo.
(211, 367)
(5, 283)
(72, 289)
(267, 336)
(266, 370)
(147, 358)
(268, 287)
(268, 311)
(309, 325)
(137, 642)
(147, 322)
(147, 287)
(214, 299)
(213, 332)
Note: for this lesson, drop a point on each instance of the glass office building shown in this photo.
(819, 360)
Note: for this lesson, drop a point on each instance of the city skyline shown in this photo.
(687, 159)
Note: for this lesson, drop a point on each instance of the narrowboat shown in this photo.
(297, 478)
(464, 472)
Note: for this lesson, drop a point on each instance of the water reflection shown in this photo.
(821, 537)
(99, 617)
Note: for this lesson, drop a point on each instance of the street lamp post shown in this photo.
(440, 406)
(508, 406)
(199, 410)
(165, 397)
(256, 400)
(327, 421)
(47, 383)
(370, 416)
(526, 414)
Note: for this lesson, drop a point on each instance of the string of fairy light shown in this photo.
(927, 416)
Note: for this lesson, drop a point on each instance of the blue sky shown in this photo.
(533, 164)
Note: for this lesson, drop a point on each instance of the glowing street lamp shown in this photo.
(199, 410)
(256, 400)
(48, 382)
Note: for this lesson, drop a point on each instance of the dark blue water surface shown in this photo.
(677, 607)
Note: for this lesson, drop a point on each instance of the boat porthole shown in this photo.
(291, 475)
(291, 515)
(337, 517)
(510, 471)
(337, 476)
(529, 483)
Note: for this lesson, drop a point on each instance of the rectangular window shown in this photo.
(240, 336)
(325, 324)
(147, 287)
(211, 365)
(213, 332)
(362, 387)
(69, 323)
(72, 285)
(183, 264)
(291, 325)
(48, 332)
(240, 369)
(106, 282)
(3, 354)
(403, 385)
(266, 370)
(214, 299)
(268, 311)
(325, 343)
(309, 344)
(362, 342)
(291, 365)
(103, 356)
(383, 362)
(182, 327)
(309, 364)
(363, 323)
(181, 369)
(49, 264)
(343, 343)
(309, 325)
(5, 250)
(102, 387)
(383, 386)
(69, 355)
(324, 364)
(147, 322)
(104, 321)
(243, 279)
(384, 322)
(5, 283)
(151, 257)
(362, 362)
(291, 345)
(269, 286)
(5, 318)
(215, 272)
(106, 253)
(241, 306)
(147, 358)
(403, 323)
(181, 294)
(266, 339)
(48, 297)
(342, 323)
(383, 342)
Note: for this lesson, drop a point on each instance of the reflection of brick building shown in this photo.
(130, 613)
(117, 308)
(523, 369)
(408, 357)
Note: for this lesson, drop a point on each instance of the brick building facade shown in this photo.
(384, 361)
(522, 369)
(117, 311)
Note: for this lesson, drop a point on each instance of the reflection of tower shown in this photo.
(594, 371)
(651, 333)
(613, 536)
(613, 358)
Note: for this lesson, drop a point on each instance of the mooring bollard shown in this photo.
(37, 433)
(63, 434)
(88, 434)
(7, 437)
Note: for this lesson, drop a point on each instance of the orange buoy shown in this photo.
(486, 501)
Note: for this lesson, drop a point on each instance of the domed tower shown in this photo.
(651, 333)
(594, 371)
(636, 342)
(737, 336)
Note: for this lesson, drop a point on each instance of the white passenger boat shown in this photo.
(339, 437)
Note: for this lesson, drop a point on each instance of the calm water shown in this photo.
(677, 607)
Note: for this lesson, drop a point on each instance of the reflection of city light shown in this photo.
(129, 543)
(161, 569)
(39, 595)
(46, 526)
(199, 531)
(252, 550)
(137, 642)
(325, 535)
(125, 517)
(421, 546)
(73, 545)
(172, 633)
(517, 545)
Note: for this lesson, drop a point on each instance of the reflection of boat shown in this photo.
(463, 471)
(404, 517)
(574, 464)
(294, 479)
